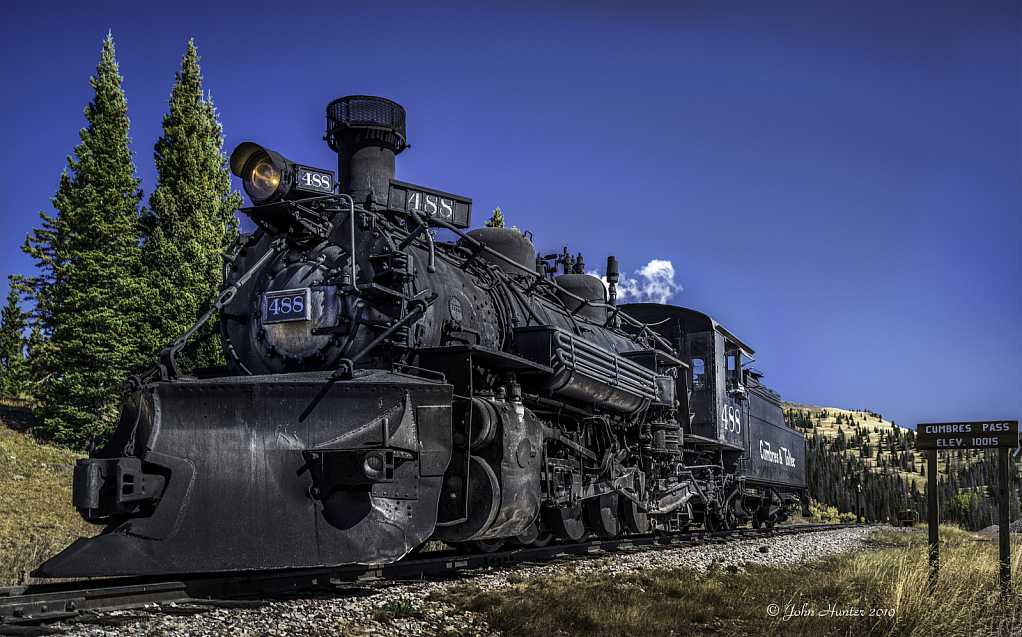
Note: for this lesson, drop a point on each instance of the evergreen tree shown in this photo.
(13, 368)
(496, 219)
(190, 220)
(89, 273)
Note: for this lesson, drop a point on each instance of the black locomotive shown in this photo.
(384, 388)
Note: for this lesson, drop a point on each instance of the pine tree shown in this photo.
(13, 367)
(90, 271)
(839, 441)
(190, 220)
(496, 219)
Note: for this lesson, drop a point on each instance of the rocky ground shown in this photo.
(402, 609)
(1014, 527)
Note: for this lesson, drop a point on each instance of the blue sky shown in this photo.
(838, 184)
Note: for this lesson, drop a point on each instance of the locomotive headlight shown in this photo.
(264, 173)
(269, 177)
(261, 177)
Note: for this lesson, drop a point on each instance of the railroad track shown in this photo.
(25, 606)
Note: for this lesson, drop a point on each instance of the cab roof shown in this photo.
(692, 321)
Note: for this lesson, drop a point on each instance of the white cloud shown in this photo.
(654, 283)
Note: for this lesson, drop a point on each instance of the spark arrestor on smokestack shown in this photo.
(367, 132)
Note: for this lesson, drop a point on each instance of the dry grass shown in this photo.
(36, 516)
(13, 401)
(965, 599)
(681, 602)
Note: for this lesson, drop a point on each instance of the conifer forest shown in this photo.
(849, 449)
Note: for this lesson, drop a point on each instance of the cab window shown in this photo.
(733, 366)
(699, 367)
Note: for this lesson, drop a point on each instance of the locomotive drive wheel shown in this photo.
(485, 546)
(545, 538)
(713, 522)
(758, 518)
(601, 513)
(537, 535)
(689, 516)
(714, 519)
(528, 536)
(728, 522)
(635, 519)
(566, 523)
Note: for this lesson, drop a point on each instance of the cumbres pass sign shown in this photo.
(967, 435)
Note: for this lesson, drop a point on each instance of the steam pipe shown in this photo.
(351, 255)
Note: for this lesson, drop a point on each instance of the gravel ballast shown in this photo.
(355, 610)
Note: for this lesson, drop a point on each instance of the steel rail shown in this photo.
(46, 603)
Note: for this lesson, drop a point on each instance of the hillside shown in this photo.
(868, 434)
(36, 516)
(845, 448)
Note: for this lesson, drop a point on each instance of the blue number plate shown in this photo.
(286, 305)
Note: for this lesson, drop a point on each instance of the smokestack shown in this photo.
(366, 133)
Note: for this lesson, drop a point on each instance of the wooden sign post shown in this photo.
(995, 434)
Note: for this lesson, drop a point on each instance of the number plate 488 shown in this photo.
(318, 181)
(286, 305)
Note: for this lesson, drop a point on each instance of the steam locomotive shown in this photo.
(384, 387)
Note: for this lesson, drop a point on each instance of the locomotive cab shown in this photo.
(729, 415)
(718, 390)
(711, 394)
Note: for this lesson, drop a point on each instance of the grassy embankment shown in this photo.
(965, 600)
(36, 516)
